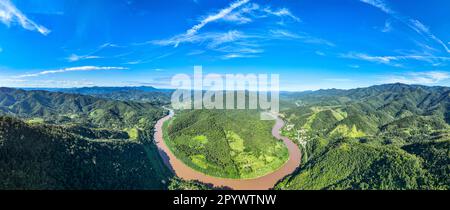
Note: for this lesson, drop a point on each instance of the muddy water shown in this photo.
(262, 183)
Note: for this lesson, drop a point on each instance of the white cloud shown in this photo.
(238, 12)
(10, 80)
(213, 38)
(91, 55)
(35, 83)
(284, 33)
(71, 69)
(387, 27)
(149, 60)
(424, 30)
(283, 12)
(191, 34)
(236, 43)
(320, 53)
(243, 15)
(419, 27)
(354, 66)
(302, 37)
(74, 57)
(10, 14)
(390, 60)
(414, 24)
(248, 12)
(242, 50)
(377, 59)
(237, 55)
(380, 5)
(211, 18)
(425, 78)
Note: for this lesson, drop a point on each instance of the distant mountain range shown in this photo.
(138, 93)
(100, 90)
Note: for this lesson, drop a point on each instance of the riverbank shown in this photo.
(262, 183)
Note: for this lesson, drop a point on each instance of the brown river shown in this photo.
(262, 183)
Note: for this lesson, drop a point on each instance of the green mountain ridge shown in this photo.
(226, 143)
(391, 136)
(364, 137)
(50, 157)
(73, 141)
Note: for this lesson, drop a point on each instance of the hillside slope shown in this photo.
(382, 137)
(226, 143)
(49, 157)
(72, 141)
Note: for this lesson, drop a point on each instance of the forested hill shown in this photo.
(371, 109)
(54, 140)
(49, 157)
(394, 99)
(57, 107)
(391, 136)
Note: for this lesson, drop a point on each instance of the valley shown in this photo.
(185, 172)
(384, 137)
(55, 140)
(369, 138)
(225, 143)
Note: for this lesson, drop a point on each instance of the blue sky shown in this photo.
(311, 44)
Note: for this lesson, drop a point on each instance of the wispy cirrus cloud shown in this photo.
(301, 37)
(425, 78)
(211, 18)
(412, 23)
(391, 60)
(380, 4)
(75, 57)
(235, 44)
(10, 14)
(251, 11)
(238, 12)
(387, 27)
(151, 59)
(242, 41)
(212, 39)
(191, 34)
(45, 83)
(72, 69)
(92, 55)
(424, 30)
(283, 12)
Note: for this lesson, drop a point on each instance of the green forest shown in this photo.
(231, 144)
(55, 140)
(383, 137)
